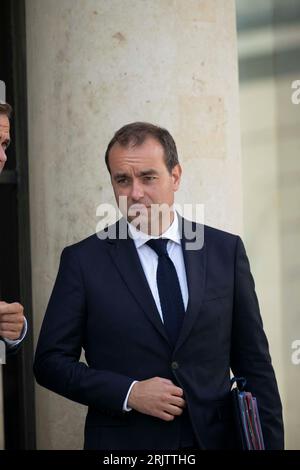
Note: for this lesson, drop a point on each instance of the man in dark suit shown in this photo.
(162, 318)
(12, 321)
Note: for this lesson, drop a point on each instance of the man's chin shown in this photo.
(137, 211)
(139, 219)
(149, 218)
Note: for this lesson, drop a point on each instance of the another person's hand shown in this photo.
(157, 397)
(11, 320)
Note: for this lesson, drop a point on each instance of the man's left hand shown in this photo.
(11, 320)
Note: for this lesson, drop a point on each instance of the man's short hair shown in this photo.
(6, 109)
(135, 134)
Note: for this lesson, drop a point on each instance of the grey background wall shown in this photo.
(269, 57)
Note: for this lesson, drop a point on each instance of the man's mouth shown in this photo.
(138, 207)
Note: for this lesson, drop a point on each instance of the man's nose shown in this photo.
(137, 191)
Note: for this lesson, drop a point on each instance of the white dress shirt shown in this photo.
(149, 261)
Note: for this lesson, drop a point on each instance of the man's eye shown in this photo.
(122, 181)
(149, 178)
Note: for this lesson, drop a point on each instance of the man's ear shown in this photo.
(176, 176)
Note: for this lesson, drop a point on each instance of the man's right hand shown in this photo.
(157, 397)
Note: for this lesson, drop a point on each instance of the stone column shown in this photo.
(92, 67)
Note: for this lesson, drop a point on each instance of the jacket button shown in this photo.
(175, 365)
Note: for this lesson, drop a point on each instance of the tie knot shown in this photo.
(159, 245)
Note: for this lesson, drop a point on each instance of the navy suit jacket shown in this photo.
(101, 302)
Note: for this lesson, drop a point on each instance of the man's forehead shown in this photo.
(140, 155)
(138, 167)
(4, 123)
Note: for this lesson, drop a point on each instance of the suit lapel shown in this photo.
(195, 265)
(125, 257)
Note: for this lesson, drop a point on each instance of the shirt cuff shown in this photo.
(12, 343)
(125, 407)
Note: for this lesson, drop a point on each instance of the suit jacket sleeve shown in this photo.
(250, 356)
(57, 363)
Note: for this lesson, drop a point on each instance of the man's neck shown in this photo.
(160, 226)
(156, 227)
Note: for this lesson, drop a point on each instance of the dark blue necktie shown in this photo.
(169, 289)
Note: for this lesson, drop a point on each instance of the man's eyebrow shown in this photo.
(120, 175)
(151, 171)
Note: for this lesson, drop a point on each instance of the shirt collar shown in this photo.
(140, 238)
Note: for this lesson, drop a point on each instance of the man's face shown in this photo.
(140, 174)
(4, 139)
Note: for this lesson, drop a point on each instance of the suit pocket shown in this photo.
(109, 438)
(220, 425)
(219, 410)
(97, 419)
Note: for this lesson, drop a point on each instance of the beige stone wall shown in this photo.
(288, 141)
(92, 67)
(261, 207)
(271, 192)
